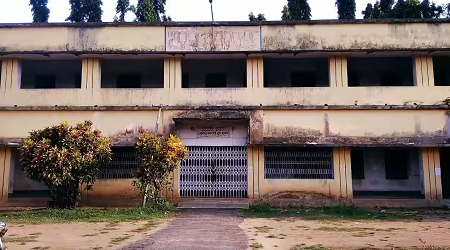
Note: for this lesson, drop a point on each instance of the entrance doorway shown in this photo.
(445, 172)
(215, 172)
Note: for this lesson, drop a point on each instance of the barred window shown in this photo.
(298, 163)
(122, 166)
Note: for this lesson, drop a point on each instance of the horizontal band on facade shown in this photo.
(234, 107)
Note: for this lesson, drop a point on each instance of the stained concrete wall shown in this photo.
(373, 36)
(69, 39)
(375, 173)
(311, 36)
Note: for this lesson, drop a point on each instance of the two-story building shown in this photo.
(349, 109)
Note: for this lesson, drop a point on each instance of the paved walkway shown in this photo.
(197, 229)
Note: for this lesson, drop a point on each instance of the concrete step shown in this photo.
(214, 203)
(394, 203)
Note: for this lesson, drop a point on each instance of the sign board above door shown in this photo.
(213, 131)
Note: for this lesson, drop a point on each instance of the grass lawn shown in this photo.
(50, 216)
(328, 213)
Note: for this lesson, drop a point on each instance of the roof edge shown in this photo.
(226, 23)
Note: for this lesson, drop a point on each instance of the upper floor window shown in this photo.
(214, 73)
(132, 73)
(380, 71)
(441, 67)
(296, 72)
(51, 74)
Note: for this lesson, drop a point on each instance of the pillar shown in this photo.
(423, 71)
(5, 165)
(172, 79)
(432, 174)
(91, 81)
(343, 171)
(255, 156)
(255, 72)
(338, 72)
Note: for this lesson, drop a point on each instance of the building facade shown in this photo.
(351, 110)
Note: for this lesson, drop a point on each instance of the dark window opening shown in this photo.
(122, 166)
(304, 79)
(357, 163)
(380, 71)
(216, 80)
(128, 81)
(441, 67)
(214, 73)
(51, 74)
(45, 81)
(298, 163)
(185, 80)
(296, 72)
(396, 164)
(132, 73)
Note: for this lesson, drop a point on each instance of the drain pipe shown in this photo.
(157, 121)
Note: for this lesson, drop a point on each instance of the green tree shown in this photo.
(85, 11)
(40, 11)
(123, 6)
(346, 9)
(296, 10)
(261, 17)
(151, 11)
(403, 9)
(158, 156)
(285, 13)
(65, 158)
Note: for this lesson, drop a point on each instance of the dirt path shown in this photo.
(197, 230)
(297, 234)
(79, 236)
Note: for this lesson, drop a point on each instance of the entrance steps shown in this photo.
(224, 203)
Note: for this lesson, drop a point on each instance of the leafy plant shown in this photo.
(65, 158)
(159, 156)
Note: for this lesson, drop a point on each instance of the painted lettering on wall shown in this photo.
(213, 131)
(213, 39)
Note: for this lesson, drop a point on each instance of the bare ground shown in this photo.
(79, 236)
(286, 233)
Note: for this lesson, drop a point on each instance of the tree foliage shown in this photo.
(296, 10)
(158, 157)
(85, 11)
(64, 158)
(151, 11)
(261, 17)
(346, 9)
(403, 9)
(40, 11)
(123, 6)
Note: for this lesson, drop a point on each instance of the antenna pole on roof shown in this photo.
(212, 12)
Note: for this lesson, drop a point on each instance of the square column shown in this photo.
(423, 71)
(343, 171)
(432, 183)
(5, 167)
(338, 72)
(255, 72)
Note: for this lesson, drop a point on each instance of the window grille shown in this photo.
(122, 166)
(298, 163)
